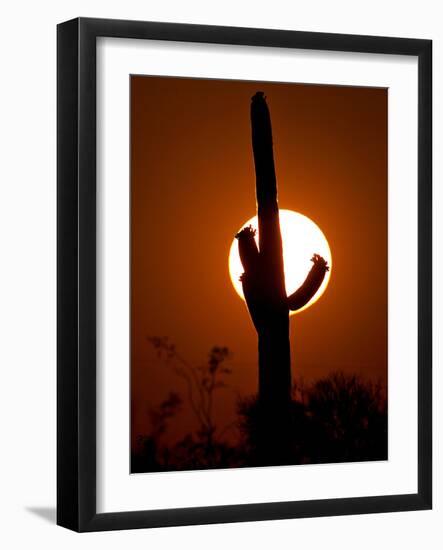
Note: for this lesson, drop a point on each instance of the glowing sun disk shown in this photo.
(301, 239)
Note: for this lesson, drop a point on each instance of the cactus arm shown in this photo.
(311, 284)
(247, 248)
(250, 279)
(253, 296)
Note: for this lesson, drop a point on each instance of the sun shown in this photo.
(301, 239)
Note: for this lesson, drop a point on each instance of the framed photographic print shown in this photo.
(244, 274)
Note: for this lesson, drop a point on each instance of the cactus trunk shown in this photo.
(264, 289)
(273, 332)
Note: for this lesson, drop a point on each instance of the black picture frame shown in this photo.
(76, 273)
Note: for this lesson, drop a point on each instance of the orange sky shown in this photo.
(192, 187)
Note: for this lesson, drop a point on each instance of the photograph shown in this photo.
(258, 274)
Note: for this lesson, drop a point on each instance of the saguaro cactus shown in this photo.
(263, 279)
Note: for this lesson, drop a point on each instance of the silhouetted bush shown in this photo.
(339, 418)
(205, 447)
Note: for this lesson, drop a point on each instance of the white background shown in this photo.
(27, 289)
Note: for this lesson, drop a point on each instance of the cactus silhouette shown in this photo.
(264, 288)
